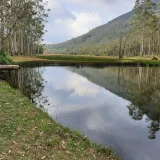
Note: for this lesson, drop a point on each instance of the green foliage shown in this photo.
(98, 36)
(136, 33)
(4, 59)
(22, 26)
(38, 49)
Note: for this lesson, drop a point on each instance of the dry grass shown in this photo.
(26, 59)
(83, 60)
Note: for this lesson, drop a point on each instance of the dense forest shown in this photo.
(136, 33)
(22, 26)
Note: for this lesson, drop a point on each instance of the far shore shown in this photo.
(84, 60)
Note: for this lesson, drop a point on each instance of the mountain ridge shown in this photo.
(99, 35)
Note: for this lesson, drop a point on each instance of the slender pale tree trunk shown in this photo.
(2, 25)
(15, 42)
(149, 53)
(142, 46)
(8, 45)
(152, 45)
(28, 48)
(120, 46)
(21, 37)
(38, 47)
(158, 43)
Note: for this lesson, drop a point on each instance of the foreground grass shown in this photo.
(85, 60)
(27, 133)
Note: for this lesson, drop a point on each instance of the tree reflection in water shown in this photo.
(32, 85)
(144, 95)
(139, 85)
(11, 76)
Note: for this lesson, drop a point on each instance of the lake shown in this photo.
(117, 107)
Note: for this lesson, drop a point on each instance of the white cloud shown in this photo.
(80, 85)
(72, 18)
(83, 23)
(69, 27)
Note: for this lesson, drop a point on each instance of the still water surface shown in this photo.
(113, 106)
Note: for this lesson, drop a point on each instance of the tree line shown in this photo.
(141, 38)
(22, 26)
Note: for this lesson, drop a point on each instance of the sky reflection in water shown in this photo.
(81, 105)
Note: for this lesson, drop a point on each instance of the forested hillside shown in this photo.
(101, 34)
(132, 34)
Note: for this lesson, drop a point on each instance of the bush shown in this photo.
(4, 59)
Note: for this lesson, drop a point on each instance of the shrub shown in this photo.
(4, 59)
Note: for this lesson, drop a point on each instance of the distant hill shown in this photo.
(99, 35)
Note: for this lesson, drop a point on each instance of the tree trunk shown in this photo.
(38, 48)
(28, 48)
(158, 44)
(120, 47)
(15, 43)
(21, 37)
(2, 26)
(142, 46)
(149, 53)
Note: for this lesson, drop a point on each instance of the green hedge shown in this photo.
(4, 59)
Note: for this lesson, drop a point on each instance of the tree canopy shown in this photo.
(22, 26)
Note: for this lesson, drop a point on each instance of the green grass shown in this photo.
(74, 58)
(100, 60)
(83, 60)
(27, 133)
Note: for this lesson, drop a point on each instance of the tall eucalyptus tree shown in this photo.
(22, 25)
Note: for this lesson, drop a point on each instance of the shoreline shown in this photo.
(26, 130)
(69, 60)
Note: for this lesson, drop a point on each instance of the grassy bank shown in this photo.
(85, 60)
(27, 133)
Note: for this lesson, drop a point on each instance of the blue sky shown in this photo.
(72, 18)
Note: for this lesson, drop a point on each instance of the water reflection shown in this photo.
(32, 85)
(11, 76)
(113, 106)
(141, 86)
(145, 96)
